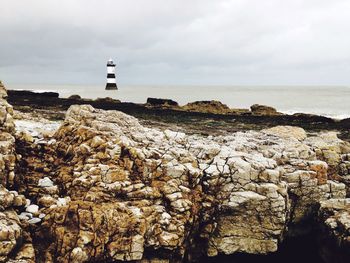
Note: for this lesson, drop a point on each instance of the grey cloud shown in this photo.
(176, 41)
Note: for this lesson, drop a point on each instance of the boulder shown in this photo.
(74, 97)
(212, 106)
(258, 109)
(287, 132)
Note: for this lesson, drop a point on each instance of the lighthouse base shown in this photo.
(111, 86)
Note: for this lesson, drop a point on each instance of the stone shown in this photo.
(34, 220)
(10, 234)
(334, 220)
(122, 188)
(212, 106)
(287, 132)
(33, 209)
(161, 102)
(258, 109)
(45, 182)
(74, 97)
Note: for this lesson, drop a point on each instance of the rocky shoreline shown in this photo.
(104, 186)
(205, 117)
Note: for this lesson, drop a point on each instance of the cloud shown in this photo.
(176, 41)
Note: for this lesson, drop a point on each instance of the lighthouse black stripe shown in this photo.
(108, 85)
(111, 76)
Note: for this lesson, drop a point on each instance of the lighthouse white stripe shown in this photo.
(111, 81)
(110, 70)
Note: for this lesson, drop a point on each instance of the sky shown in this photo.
(176, 42)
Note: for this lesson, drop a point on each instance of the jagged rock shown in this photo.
(10, 233)
(234, 191)
(13, 238)
(45, 182)
(334, 218)
(126, 192)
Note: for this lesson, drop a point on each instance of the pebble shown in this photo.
(45, 182)
(28, 202)
(32, 209)
(42, 215)
(34, 220)
(61, 202)
(25, 216)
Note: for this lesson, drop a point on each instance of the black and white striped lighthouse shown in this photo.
(111, 81)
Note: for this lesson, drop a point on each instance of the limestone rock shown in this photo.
(287, 132)
(122, 189)
(334, 218)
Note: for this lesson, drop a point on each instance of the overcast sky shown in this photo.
(237, 42)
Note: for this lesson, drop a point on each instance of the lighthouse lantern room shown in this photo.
(111, 81)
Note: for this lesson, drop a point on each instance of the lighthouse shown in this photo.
(111, 82)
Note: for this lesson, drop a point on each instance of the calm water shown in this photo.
(332, 101)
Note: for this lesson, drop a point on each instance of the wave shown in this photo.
(333, 115)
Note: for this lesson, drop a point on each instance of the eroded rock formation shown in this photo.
(15, 242)
(122, 191)
(105, 188)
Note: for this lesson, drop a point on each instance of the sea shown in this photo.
(330, 101)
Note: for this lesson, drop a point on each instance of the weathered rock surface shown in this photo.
(15, 244)
(105, 188)
(258, 109)
(212, 106)
(334, 216)
(132, 192)
(173, 118)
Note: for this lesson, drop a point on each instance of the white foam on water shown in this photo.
(333, 115)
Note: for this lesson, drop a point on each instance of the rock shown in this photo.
(161, 102)
(334, 219)
(258, 109)
(287, 132)
(34, 220)
(41, 216)
(107, 100)
(97, 141)
(25, 216)
(33, 209)
(116, 164)
(41, 95)
(74, 97)
(45, 182)
(46, 201)
(10, 234)
(212, 106)
(128, 192)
